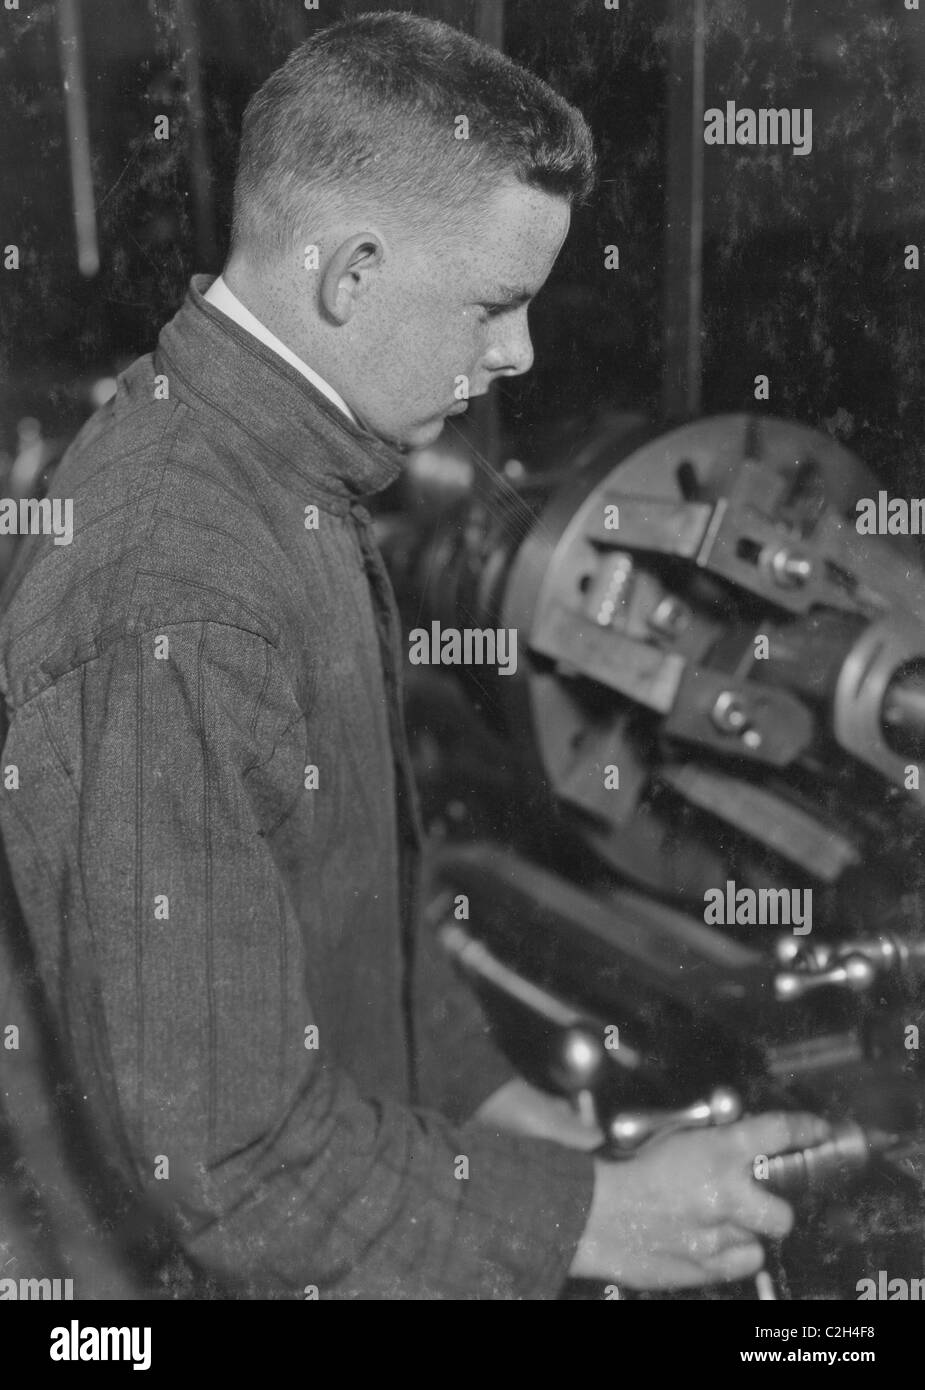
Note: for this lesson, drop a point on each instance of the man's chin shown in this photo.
(414, 436)
(419, 436)
(427, 433)
(405, 438)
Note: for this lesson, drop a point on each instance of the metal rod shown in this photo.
(78, 137)
(681, 391)
(199, 164)
(479, 961)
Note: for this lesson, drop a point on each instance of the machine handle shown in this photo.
(628, 1130)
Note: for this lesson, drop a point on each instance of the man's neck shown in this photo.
(229, 302)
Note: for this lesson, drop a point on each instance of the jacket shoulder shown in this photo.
(163, 531)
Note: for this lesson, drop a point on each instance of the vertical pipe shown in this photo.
(683, 312)
(78, 137)
(200, 170)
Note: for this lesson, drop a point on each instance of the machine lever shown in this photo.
(853, 972)
(628, 1130)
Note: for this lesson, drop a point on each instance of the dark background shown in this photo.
(803, 275)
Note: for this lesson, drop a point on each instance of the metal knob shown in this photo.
(629, 1130)
(853, 972)
(580, 1061)
(885, 954)
(801, 955)
(790, 568)
(730, 716)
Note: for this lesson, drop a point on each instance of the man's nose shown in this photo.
(511, 352)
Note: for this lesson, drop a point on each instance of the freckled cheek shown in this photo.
(470, 345)
(430, 349)
(448, 354)
(421, 375)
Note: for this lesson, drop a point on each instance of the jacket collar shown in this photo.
(250, 389)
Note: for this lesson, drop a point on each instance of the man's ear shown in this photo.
(347, 275)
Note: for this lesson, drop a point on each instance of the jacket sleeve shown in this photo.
(280, 1177)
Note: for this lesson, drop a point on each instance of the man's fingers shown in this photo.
(758, 1210)
(738, 1262)
(776, 1133)
(713, 1240)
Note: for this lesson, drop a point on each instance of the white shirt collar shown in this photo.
(220, 297)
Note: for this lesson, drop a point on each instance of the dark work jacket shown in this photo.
(235, 1066)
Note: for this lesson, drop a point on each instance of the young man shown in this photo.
(214, 838)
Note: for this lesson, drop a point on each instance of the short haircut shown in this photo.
(368, 108)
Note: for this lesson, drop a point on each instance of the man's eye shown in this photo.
(491, 311)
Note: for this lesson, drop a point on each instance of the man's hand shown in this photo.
(687, 1211)
(524, 1109)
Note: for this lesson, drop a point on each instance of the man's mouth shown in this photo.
(459, 408)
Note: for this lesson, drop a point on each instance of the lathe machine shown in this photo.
(717, 711)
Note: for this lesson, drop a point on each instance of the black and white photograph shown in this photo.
(462, 657)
